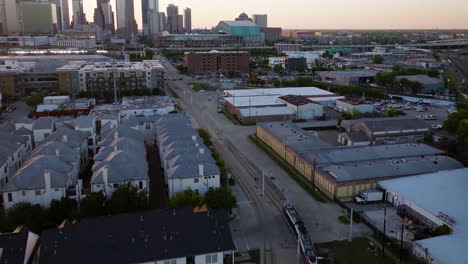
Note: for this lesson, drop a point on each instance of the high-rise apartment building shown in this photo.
(79, 17)
(126, 23)
(38, 17)
(172, 18)
(260, 20)
(188, 20)
(180, 24)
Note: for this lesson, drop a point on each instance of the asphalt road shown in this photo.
(260, 221)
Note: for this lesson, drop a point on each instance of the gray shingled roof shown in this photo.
(46, 122)
(52, 148)
(84, 121)
(143, 237)
(124, 144)
(121, 166)
(191, 170)
(31, 175)
(74, 138)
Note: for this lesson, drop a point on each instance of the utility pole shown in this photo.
(263, 183)
(384, 226)
(401, 242)
(350, 238)
(114, 71)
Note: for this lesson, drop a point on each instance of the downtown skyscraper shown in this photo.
(151, 17)
(126, 23)
(188, 20)
(79, 17)
(63, 16)
(104, 16)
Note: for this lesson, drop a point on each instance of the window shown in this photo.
(38, 192)
(211, 258)
(23, 193)
(140, 185)
(172, 261)
(10, 197)
(195, 180)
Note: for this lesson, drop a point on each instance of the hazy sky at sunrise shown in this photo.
(323, 14)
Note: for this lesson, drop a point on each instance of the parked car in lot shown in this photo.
(436, 126)
(10, 108)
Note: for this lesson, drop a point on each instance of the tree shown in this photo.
(127, 198)
(232, 73)
(278, 68)
(451, 124)
(35, 99)
(434, 73)
(378, 60)
(462, 133)
(93, 205)
(220, 198)
(187, 198)
(62, 209)
(353, 114)
(29, 215)
(391, 112)
(327, 54)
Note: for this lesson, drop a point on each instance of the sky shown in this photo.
(322, 14)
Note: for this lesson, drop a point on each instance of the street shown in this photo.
(260, 219)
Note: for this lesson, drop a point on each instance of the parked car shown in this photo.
(436, 126)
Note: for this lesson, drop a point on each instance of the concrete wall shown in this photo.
(110, 188)
(43, 197)
(202, 184)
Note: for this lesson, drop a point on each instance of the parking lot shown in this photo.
(414, 110)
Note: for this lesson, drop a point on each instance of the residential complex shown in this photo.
(217, 61)
(108, 77)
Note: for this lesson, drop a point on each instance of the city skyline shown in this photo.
(355, 14)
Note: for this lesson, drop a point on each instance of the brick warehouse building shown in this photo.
(217, 61)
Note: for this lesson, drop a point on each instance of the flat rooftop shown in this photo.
(399, 167)
(351, 73)
(309, 92)
(439, 192)
(339, 155)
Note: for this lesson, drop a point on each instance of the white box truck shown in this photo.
(367, 196)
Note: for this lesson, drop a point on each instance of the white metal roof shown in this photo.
(304, 91)
(446, 192)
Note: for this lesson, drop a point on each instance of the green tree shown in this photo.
(220, 198)
(127, 198)
(232, 73)
(451, 124)
(391, 112)
(187, 198)
(353, 114)
(62, 209)
(434, 73)
(278, 68)
(35, 99)
(94, 204)
(378, 60)
(29, 215)
(462, 133)
(327, 54)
